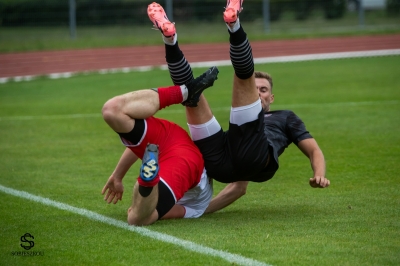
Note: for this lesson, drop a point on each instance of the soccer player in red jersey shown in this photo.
(172, 182)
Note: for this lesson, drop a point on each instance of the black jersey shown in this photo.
(283, 128)
(242, 152)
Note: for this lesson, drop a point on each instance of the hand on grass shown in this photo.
(113, 190)
(319, 182)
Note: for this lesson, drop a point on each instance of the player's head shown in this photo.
(264, 86)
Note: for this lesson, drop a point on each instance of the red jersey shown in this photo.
(181, 163)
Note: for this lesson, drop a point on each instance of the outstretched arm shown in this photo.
(114, 187)
(311, 149)
(227, 196)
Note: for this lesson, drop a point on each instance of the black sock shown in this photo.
(241, 54)
(179, 68)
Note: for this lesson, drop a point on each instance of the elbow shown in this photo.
(240, 188)
(242, 192)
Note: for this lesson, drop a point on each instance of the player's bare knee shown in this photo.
(134, 222)
(133, 219)
(138, 221)
(110, 109)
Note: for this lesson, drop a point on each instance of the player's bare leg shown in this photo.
(145, 192)
(244, 87)
(246, 103)
(200, 114)
(244, 91)
(121, 111)
(143, 209)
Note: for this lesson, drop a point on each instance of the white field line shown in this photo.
(230, 257)
(216, 109)
(261, 60)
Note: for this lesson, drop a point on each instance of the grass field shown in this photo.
(55, 145)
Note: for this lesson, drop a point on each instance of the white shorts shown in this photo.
(197, 199)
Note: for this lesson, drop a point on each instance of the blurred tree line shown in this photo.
(120, 12)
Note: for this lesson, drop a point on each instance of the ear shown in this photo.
(272, 98)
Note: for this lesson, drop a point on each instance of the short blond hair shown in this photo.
(264, 75)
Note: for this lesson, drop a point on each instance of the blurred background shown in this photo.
(62, 24)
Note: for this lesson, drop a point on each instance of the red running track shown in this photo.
(42, 63)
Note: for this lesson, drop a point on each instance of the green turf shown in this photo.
(351, 106)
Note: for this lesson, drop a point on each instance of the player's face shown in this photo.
(264, 90)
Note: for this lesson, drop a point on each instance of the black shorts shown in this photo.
(240, 154)
(165, 199)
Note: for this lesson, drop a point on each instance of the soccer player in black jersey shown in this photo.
(249, 150)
